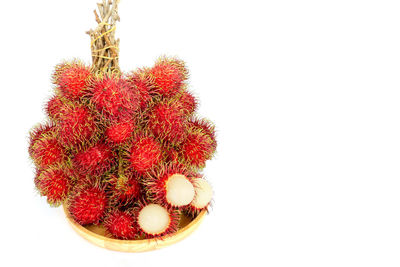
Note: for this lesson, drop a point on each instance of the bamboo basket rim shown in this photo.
(134, 245)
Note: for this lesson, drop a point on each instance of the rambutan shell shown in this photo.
(121, 224)
(72, 79)
(88, 204)
(167, 122)
(113, 96)
(54, 184)
(95, 160)
(144, 153)
(120, 131)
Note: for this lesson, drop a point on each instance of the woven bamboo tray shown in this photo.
(97, 235)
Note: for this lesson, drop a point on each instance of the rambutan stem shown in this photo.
(104, 46)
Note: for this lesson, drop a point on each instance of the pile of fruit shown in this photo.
(124, 150)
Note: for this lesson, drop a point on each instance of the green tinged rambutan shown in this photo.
(72, 79)
(141, 82)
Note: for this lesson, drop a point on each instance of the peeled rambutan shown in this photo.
(188, 103)
(202, 198)
(141, 82)
(167, 122)
(76, 125)
(154, 220)
(54, 184)
(125, 188)
(120, 130)
(113, 96)
(198, 147)
(72, 79)
(170, 185)
(44, 148)
(168, 76)
(54, 108)
(95, 160)
(121, 224)
(144, 153)
(87, 204)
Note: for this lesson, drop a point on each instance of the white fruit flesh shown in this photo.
(154, 219)
(204, 193)
(180, 191)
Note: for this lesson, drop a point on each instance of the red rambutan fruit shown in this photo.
(155, 220)
(125, 188)
(87, 204)
(54, 108)
(188, 103)
(120, 131)
(170, 185)
(95, 160)
(72, 79)
(54, 184)
(39, 131)
(113, 96)
(44, 147)
(141, 82)
(144, 153)
(199, 145)
(167, 122)
(121, 224)
(168, 75)
(205, 126)
(76, 125)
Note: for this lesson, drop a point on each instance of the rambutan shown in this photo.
(144, 153)
(168, 76)
(155, 220)
(87, 204)
(170, 185)
(44, 148)
(120, 224)
(205, 126)
(199, 145)
(54, 108)
(120, 131)
(72, 79)
(188, 103)
(113, 96)
(76, 125)
(202, 198)
(38, 132)
(95, 160)
(167, 122)
(125, 188)
(54, 184)
(141, 82)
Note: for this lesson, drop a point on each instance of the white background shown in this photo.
(305, 95)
